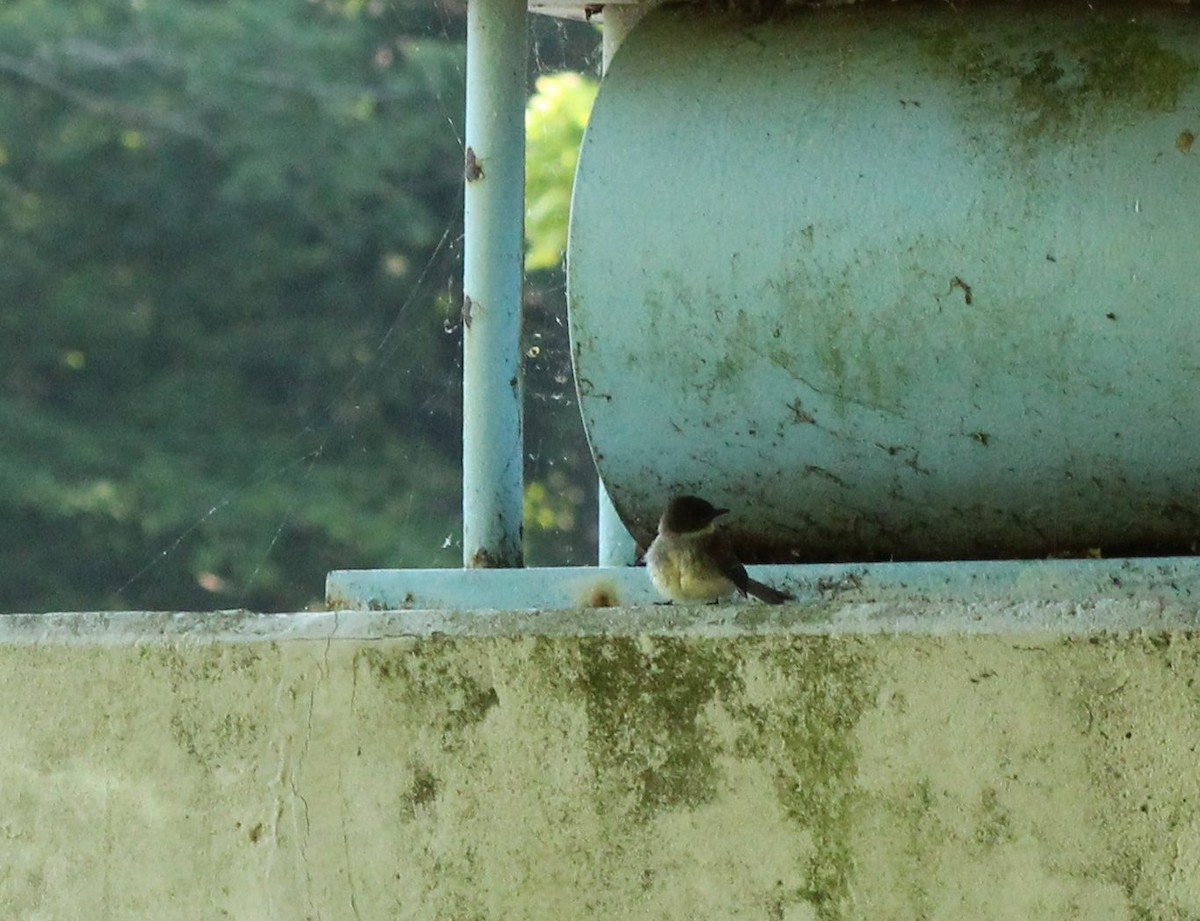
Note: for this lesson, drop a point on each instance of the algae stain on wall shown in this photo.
(212, 720)
(420, 708)
(434, 686)
(644, 699)
(801, 700)
(644, 769)
(667, 715)
(434, 677)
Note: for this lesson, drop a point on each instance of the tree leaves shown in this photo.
(203, 208)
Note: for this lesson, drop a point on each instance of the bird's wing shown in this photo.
(733, 569)
(727, 561)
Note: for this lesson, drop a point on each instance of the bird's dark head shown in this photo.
(689, 515)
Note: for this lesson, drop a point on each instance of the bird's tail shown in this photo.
(766, 593)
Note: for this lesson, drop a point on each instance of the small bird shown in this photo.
(690, 560)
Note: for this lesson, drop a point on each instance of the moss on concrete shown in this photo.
(645, 702)
(432, 676)
(805, 731)
(639, 776)
(668, 717)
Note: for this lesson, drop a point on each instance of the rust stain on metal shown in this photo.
(336, 602)
(957, 282)
(814, 470)
(800, 414)
(599, 594)
(834, 586)
(472, 169)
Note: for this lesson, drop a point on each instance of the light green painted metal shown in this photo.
(1091, 583)
(493, 250)
(898, 280)
(616, 544)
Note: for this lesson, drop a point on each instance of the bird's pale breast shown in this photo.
(682, 571)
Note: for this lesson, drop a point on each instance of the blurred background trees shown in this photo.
(229, 342)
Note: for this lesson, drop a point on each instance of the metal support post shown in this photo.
(617, 547)
(493, 478)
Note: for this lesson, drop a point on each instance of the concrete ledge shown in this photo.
(831, 760)
(727, 620)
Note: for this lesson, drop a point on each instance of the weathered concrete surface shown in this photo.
(637, 769)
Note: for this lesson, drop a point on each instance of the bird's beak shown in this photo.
(720, 511)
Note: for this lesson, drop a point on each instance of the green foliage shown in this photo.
(219, 370)
(229, 351)
(555, 119)
(560, 490)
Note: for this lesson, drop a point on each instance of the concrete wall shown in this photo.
(615, 765)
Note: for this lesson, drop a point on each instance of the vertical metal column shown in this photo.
(617, 547)
(494, 229)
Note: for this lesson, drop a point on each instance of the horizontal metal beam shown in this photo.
(1154, 580)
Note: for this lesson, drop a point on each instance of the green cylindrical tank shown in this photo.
(898, 280)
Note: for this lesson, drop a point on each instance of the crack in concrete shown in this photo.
(302, 840)
(346, 850)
